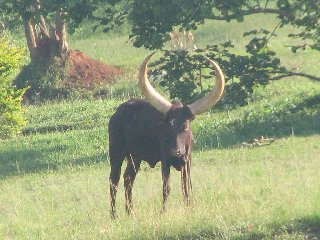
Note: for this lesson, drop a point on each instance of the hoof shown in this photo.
(129, 210)
(163, 211)
(113, 215)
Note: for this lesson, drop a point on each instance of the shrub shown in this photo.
(11, 113)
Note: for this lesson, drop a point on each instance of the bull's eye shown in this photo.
(173, 122)
(184, 127)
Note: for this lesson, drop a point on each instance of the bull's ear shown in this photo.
(166, 118)
(176, 104)
(189, 114)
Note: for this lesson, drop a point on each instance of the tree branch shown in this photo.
(250, 12)
(274, 30)
(43, 27)
(290, 74)
(61, 30)
(35, 33)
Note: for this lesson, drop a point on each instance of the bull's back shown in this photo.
(136, 113)
(136, 126)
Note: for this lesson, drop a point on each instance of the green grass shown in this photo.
(54, 178)
(237, 193)
(119, 53)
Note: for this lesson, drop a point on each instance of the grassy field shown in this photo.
(54, 178)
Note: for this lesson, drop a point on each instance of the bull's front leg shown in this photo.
(186, 182)
(166, 183)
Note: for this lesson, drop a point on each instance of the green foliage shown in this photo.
(307, 15)
(77, 10)
(178, 74)
(152, 21)
(181, 72)
(11, 113)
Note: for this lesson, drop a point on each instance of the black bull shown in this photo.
(139, 132)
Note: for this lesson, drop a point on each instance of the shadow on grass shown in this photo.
(14, 162)
(304, 228)
(20, 162)
(291, 119)
(49, 129)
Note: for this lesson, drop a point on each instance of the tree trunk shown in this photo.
(45, 45)
(61, 32)
(30, 37)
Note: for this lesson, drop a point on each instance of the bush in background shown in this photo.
(11, 112)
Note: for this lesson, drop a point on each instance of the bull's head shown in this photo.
(177, 138)
(178, 116)
(178, 129)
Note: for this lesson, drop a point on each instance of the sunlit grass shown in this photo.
(118, 52)
(235, 193)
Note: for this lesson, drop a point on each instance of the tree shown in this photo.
(46, 41)
(48, 74)
(153, 21)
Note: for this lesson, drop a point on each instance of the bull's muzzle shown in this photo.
(178, 152)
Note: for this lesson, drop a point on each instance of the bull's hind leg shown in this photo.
(129, 176)
(114, 182)
(116, 159)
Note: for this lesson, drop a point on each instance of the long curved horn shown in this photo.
(155, 99)
(214, 96)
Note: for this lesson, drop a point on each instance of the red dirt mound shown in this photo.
(87, 72)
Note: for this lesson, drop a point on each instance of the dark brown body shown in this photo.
(137, 131)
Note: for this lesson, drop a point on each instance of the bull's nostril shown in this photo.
(177, 152)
